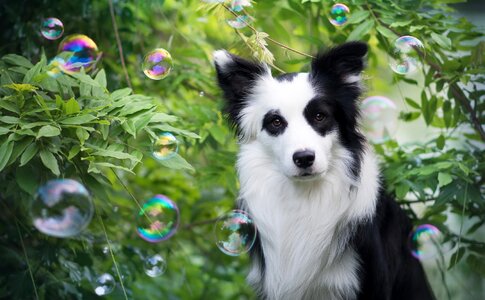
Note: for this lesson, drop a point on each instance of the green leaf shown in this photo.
(27, 179)
(440, 142)
(114, 154)
(4, 130)
(444, 179)
(48, 131)
(456, 257)
(78, 120)
(402, 190)
(412, 103)
(9, 106)
(82, 134)
(441, 40)
(386, 32)
(74, 151)
(71, 107)
(35, 70)
(358, 16)
(107, 165)
(118, 94)
(218, 133)
(5, 152)
(49, 160)
(476, 263)
(28, 154)
(9, 120)
(101, 78)
(361, 30)
(176, 162)
(17, 60)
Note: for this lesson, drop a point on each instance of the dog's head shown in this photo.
(299, 118)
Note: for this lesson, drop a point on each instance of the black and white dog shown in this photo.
(326, 228)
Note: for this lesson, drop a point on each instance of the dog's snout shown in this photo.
(304, 159)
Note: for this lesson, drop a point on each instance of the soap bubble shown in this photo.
(213, 1)
(201, 94)
(165, 147)
(62, 208)
(157, 64)
(426, 241)
(235, 233)
(238, 5)
(405, 57)
(339, 14)
(379, 118)
(52, 28)
(154, 265)
(105, 284)
(158, 219)
(83, 53)
(239, 22)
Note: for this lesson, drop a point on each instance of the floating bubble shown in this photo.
(165, 147)
(405, 57)
(55, 67)
(52, 28)
(379, 118)
(154, 265)
(235, 233)
(158, 219)
(238, 5)
(213, 1)
(339, 14)
(201, 94)
(105, 284)
(62, 208)
(83, 53)
(426, 241)
(157, 64)
(239, 22)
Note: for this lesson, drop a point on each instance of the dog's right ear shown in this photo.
(236, 77)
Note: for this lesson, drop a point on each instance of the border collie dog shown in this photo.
(310, 181)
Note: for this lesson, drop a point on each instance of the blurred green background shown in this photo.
(434, 163)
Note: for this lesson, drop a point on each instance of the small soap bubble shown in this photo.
(165, 146)
(239, 22)
(104, 285)
(201, 94)
(405, 57)
(62, 208)
(379, 118)
(157, 64)
(158, 219)
(426, 241)
(105, 250)
(339, 14)
(52, 28)
(154, 265)
(83, 53)
(238, 5)
(235, 233)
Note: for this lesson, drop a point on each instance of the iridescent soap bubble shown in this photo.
(165, 146)
(235, 233)
(82, 53)
(426, 241)
(52, 28)
(62, 208)
(239, 22)
(158, 219)
(104, 285)
(405, 57)
(157, 64)
(379, 118)
(154, 265)
(238, 5)
(339, 14)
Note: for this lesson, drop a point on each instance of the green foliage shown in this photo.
(73, 127)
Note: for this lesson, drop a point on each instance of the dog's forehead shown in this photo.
(289, 93)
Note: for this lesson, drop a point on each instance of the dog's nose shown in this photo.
(304, 159)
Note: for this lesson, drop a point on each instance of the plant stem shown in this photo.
(27, 260)
(118, 42)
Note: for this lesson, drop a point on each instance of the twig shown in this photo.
(118, 42)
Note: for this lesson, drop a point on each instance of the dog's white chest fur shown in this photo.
(304, 226)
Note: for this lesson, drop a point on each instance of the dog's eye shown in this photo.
(319, 117)
(276, 122)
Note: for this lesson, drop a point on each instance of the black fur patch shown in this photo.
(316, 109)
(329, 70)
(286, 77)
(270, 121)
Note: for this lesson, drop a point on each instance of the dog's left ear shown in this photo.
(343, 63)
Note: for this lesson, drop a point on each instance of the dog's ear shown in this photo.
(236, 77)
(343, 63)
